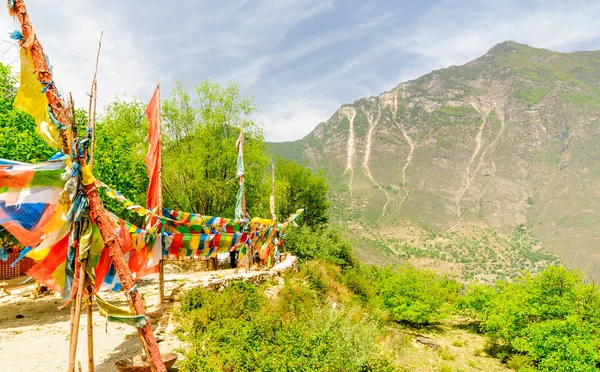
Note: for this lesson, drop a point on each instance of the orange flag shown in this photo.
(153, 156)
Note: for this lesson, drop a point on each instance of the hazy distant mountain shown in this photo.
(510, 138)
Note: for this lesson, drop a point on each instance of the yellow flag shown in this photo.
(31, 100)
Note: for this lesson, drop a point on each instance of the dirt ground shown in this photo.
(34, 334)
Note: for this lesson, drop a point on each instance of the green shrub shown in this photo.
(476, 301)
(327, 280)
(414, 296)
(326, 244)
(551, 318)
(360, 283)
(238, 329)
(519, 362)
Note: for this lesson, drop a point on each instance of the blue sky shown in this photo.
(300, 59)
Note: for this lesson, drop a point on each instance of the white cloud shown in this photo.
(446, 37)
(69, 35)
(300, 59)
(295, 117)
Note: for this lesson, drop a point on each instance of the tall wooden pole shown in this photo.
(82, 275)
(272, 201)
(249, 256)
(92, 108)
(97, 212)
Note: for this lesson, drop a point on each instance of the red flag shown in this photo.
(153, 156)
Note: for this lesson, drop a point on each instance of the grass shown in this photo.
(580, 98)
(447, 354)
(458, 343)
(531, 96)
(445, 368)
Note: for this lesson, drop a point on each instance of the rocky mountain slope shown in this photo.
(508, 139)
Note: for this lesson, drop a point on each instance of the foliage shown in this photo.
(325, 243)
(18, 138)
(200, 130)
(476, 300)
(359, 280)
(551, 318)
(299, 187)
(414, 296)
(239, 329)
(199, 166)
(119, 154)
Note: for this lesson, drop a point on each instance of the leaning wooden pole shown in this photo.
(97, 212)
(82, 274)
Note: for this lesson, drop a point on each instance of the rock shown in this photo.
(428, 342)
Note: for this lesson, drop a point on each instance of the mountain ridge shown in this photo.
(507, 139)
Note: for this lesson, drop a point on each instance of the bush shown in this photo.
(476, 301)
(414, 296)
(360, 283)
(520, 362)
(326, 244)
(552, 319)
(238, 329)
(327, 280)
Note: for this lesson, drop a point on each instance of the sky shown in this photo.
(299, 59)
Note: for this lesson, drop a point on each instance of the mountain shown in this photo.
(507, 143)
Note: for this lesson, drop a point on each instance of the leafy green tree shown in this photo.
(553, 318)
(18, 138)
(199, 158)
(119, 154)
(299, 187)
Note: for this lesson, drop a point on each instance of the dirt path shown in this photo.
(34, 333)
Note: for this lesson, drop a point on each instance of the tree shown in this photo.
(326, 243)
(18, 138)
(199, 139)
(299, 187)
(552, 318)
(119, 154)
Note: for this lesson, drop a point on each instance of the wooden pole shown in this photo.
(272, 206)
(71, 327)
(40, 65)
(92, 108)
(90, 333)
(161, 279)
(82, 275)
(75, 333)
(97, 212)
(249, 256)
